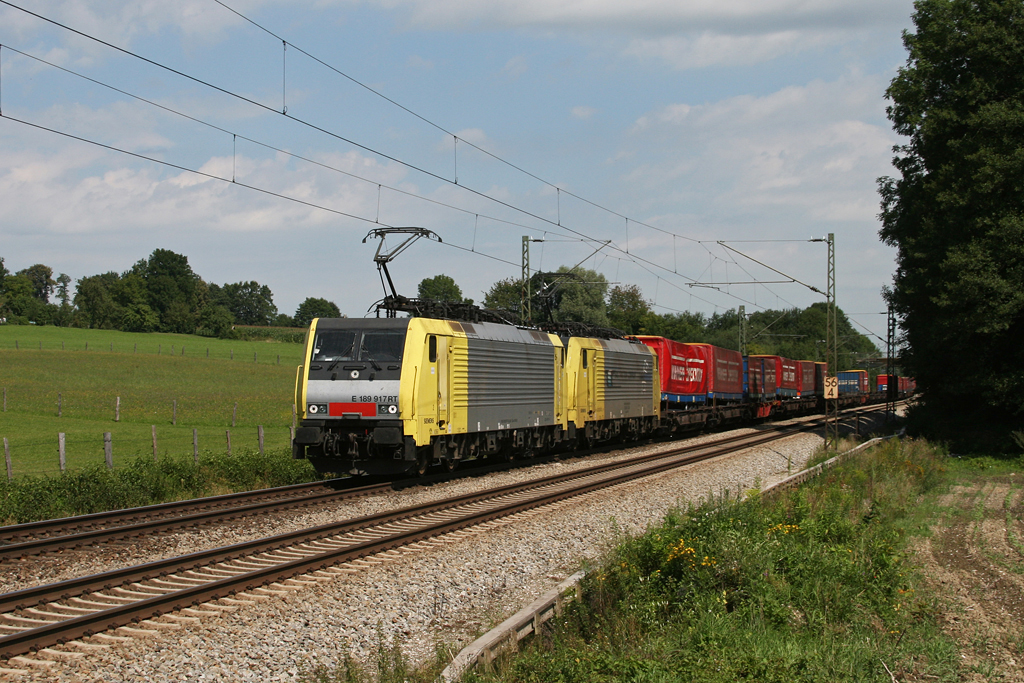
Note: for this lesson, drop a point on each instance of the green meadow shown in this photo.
(87, 370)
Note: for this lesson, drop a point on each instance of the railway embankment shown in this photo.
(445, 593)
(902, 564)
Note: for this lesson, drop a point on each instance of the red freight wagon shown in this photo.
(759, 378)
(805, 374)
(696, 373)
(727, 381)
(820, 371)
(784, 369)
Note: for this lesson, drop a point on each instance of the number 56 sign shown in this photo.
(831, 387)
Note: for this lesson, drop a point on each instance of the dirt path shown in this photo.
(975, 561)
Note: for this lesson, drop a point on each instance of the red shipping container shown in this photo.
(783, 370)
(761, 383)
(695, 372)
(820, 371)
(805, 373)
(727, 379)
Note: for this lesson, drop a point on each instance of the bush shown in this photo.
(811, 585)
(144, 482)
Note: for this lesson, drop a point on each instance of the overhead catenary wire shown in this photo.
(584, 237)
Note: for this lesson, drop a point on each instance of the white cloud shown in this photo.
(516, 67)
(419, 63)
(711, 49)
(583, 112)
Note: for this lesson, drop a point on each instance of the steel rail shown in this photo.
(14, 532)
(120, 615)
(79, 539)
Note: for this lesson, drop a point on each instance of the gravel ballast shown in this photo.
(443, 596)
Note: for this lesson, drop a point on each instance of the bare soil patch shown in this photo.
(974, 560)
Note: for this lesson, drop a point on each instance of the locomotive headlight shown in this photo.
(317, 409)
(392, 409)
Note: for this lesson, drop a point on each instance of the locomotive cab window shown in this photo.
(334, 345)
(382, 345)
(376, 346)
(584, 359)
(432, 349)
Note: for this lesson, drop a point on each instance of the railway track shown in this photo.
(57, 535)
(186, 588)
(34, 538)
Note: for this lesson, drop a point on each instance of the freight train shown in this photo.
(394, 395)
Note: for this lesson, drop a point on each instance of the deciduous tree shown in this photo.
(315, 308)
(955, 214)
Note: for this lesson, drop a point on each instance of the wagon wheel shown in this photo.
(449, 464)
(422, 461)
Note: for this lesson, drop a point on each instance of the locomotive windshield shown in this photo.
(353, 345)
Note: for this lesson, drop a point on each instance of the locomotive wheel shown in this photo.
(449, 464)
(422, 462)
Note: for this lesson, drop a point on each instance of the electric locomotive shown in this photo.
(382, 396)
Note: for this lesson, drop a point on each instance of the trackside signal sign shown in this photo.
(831, 386)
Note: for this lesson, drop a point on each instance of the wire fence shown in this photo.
(76, 451)
(242, 351)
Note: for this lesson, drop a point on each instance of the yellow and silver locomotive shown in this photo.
(399, 394)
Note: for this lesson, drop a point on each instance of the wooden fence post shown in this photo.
(207, 351)
(60, 451)
(259, 435)
(111, 347)
(234, 415)
(253, 356)
(40, 346)
(278, 359)
(5, 399)
(232, 354)
(195, 445)
(108, 450)
(86, 346)
(154, 442)
(291, 435)
(183, 350)
(117, 410)
(174, 412)
(59, 404)
(7, 459)
(136, 350)
(159, 349)
(61, 344)
(293, 416)
(228, 434)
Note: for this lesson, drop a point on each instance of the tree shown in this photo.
(574, 295)
(172, 289)
(95, 302)
(441, 288)
(41, 278)
(504, 296)
(627, 309)
(251, 303)
(317, 308)
(956, 216)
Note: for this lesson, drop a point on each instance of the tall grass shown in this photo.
(145, 482)
(809, 585)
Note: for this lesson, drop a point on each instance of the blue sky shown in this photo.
(731, 120)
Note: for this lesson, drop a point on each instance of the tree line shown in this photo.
(584, 296)
(158, 294)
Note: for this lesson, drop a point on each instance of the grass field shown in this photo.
(87, 370)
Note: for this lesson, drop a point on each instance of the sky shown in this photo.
(265, 139)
